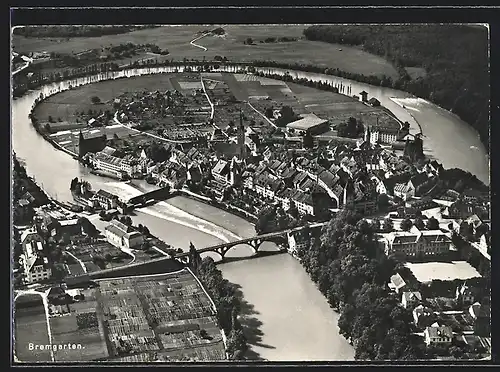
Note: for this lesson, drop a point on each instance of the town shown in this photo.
(315, 171)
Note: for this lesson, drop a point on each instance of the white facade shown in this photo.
(417, 244)
(438, 336)
(295, 244)
(36, 267)
(384, 136)
(118, 235)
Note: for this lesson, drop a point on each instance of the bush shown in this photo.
(87, 320)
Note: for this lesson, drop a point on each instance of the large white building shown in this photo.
(36, 266)
(118, 166)
(415, 244)
(438, 336)
(122, 236)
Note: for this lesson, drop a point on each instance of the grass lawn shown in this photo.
(176, 40)
(31, 327)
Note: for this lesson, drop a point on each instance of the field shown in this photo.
(31, 327)
(69, 138)
(425, 272)
(90, 341)
(67, 103)
(177, 41)
(335, 107)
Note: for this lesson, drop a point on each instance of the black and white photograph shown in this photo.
(250, 193)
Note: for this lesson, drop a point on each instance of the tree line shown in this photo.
(345, 264)
(226, 300)
(455, 58)
(76, 31)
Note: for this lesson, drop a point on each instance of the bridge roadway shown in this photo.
(254, 242)
(221, 249)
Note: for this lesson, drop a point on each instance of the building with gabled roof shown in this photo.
(36, 265)
(397, 283)
(416, 244)
(122, 236)
(105, 199)
(411, 299)
(309, 123)
(442, 335)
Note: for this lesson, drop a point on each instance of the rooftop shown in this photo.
(307, 122)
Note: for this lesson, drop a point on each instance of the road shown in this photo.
(261, 114)
(198, 38)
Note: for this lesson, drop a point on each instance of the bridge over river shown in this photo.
(157, 264)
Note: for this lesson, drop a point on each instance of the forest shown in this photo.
(455, 59)
(76, 31)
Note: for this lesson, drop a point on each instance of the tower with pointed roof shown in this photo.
(367, 134)
(241, 138)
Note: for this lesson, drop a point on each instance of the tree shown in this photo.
(249, 41)
(406, 224)
(145, 231)
(58, 271)
(432, 224)
(237, 344)
(419, 223)
(382, 201)
(95, 100)
(265, 220)
(51, 119)
(47, 128)
(388, 225)
(308, 141)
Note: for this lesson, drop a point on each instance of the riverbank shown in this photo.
(462, 158)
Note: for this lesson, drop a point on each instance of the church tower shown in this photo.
(367, 134)
(241, 139)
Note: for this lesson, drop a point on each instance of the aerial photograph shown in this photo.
(243, 193)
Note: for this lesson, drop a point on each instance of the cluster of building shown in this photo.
(465, 317)
(35, 260)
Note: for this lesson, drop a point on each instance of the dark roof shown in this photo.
(106, 194)
(418, 179)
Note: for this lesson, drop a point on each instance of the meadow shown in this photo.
(31, 327)
(177, 41)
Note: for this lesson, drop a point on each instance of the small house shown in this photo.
(411, 299)
(374, 102)
(364, 96)
(397, 283)
(434, 336)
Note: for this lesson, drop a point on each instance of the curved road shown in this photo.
(198, 38)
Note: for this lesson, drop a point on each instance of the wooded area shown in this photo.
(455, 58)
(76, 31)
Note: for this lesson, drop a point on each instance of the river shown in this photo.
(286, 317)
